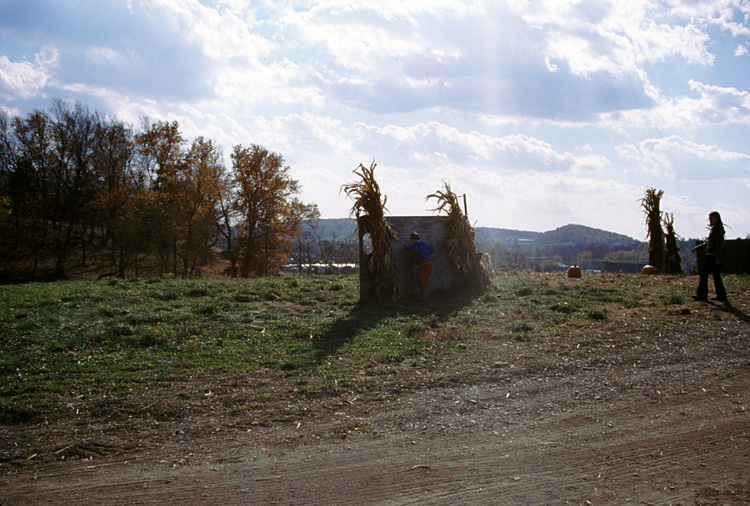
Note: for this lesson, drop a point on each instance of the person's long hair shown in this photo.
(719, 225)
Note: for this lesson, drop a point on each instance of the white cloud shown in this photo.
(25, 79)
(612, 36)
(305, 134)
(228, 35)
(658, 42)
(433, 143)
(475, 59)
(722, 105)
(677, 158)
(711, 106)
(542, 112)
(721, 13)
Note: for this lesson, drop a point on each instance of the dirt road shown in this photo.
(661, 418)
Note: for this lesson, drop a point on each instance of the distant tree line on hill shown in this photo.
(554, 250)
(568, 245)
(82, 191)
(510, 249)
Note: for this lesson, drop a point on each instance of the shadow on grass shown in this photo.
(367, 316)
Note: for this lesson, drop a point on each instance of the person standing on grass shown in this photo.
(712, 264)
(423, 257)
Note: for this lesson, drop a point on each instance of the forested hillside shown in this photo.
(584, 237)
(541, 251)
(579, 236)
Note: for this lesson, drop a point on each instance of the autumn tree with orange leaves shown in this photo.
(269, 213)
(84, 192)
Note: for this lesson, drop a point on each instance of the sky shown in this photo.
(543, 113)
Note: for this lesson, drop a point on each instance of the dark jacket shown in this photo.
(715, 243)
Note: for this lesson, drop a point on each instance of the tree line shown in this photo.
(80, 189)
(588, 247)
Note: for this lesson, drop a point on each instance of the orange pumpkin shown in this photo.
(649, 270)
(574, 271)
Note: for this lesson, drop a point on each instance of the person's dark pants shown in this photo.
(711, 267)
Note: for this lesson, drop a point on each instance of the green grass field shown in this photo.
(70, 342)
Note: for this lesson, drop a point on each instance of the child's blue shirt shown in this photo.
(423, 251)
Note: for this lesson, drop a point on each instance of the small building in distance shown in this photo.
(432, 230)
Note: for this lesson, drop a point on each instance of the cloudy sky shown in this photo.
(543, 112)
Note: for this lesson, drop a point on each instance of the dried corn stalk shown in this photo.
(369, 208)
(462, 248)
(650, 204)
(674, 259)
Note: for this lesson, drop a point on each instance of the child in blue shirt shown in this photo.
(423, 257)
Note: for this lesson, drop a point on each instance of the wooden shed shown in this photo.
(432, 230)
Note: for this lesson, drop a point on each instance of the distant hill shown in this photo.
(584, 237)
(574, 235)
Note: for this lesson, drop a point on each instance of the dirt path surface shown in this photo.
(661, 418)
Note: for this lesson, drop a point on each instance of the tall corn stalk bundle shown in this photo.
(650, 204)
(462, 248)
(674, 259)
(369, 208)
